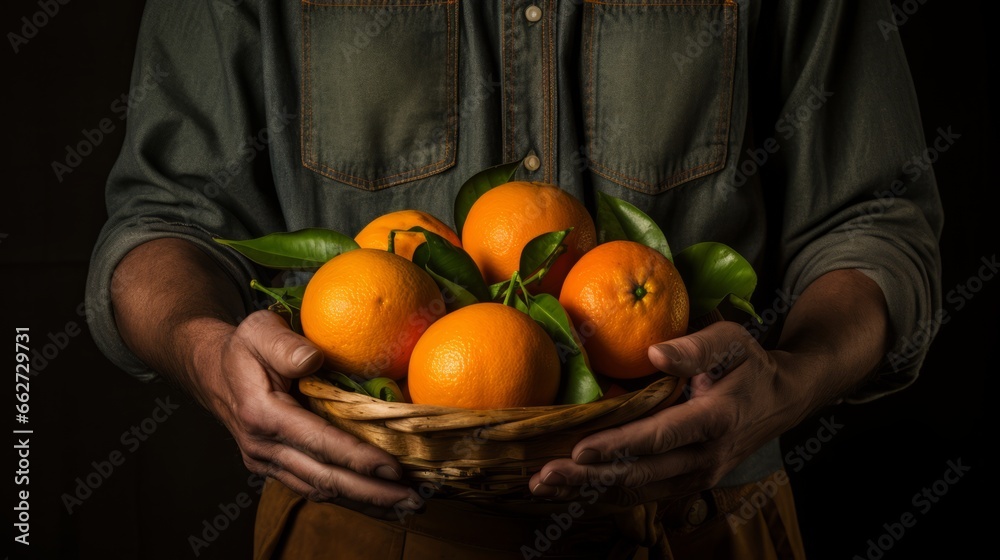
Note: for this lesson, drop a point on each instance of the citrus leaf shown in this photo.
(745, 306)
(477, 185)
(391, 247)
(421, 255)
(455, 296)
(539, 253)
(520, 305)
(290, 297)
(549, 313)
(346, 383)
(303, 249)
(713, 272)
(498, 288)
(450, 262)
(619, 220)
(383, 388)
(579, 385)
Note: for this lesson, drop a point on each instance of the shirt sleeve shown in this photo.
(190, 167)
(856, 190)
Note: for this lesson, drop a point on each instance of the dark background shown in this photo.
(65, 79)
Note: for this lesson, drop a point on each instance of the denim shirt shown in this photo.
(788, 130)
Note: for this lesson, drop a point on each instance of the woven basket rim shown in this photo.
(315, 386)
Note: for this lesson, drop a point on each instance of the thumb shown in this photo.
(717, 349)
(288, 353)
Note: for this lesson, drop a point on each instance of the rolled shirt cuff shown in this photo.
(113, 245)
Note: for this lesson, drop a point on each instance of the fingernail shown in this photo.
(302, 355)
(543, 490)
(555, 479)
(387, 472)
(588, 456)
(408, 504)
(412, 503)
(669, 352)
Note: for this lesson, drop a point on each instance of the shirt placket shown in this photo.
(529, 111)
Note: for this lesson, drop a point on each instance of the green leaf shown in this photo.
(520, 305)
(421, 255)
(619, 220)
(383, 388)
(539, 253)
(447, 261)
(549, 313)
(579, 384)
(455, 296)
(477, 185)
(498, 288)
(289, 297)
(303, 249)
(288, 302)
(744, 305)
(713, 272)
(346, 383)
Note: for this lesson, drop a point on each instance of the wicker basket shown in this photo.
(476, 453)
(482, 454)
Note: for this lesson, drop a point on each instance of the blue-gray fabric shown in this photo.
(786, 130)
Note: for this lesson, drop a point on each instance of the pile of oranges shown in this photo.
(375, 313)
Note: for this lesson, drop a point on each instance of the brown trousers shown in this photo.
(755, 521)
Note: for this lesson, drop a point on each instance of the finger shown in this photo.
(629, 471)
(716, 349)
(690, 422)
(333, 482)
(295, 426)
(560, 493)
(287, 353)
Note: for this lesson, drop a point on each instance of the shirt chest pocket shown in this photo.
(657, 89)
(379, 89)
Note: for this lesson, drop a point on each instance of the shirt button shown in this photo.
(532, 163)
(697, 512)
(532, 13)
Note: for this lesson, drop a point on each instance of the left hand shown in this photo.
(741, 397)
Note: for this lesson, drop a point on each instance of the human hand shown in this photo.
(247, 373)
(741, 397)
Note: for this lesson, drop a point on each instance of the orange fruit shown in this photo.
(504, 219)
(375, 235)
(484, 356)
(366, 309)
(624, 297)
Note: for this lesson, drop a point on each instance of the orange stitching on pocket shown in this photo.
(731, 13)
(543, 148)
(591, 86)
(719, 135)
(306, 130)
(670, 181)
(304, 99)
(513, 96)
(669, 3)
(553, 98)
(373, 3)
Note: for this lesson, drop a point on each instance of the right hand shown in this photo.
(247, 373)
